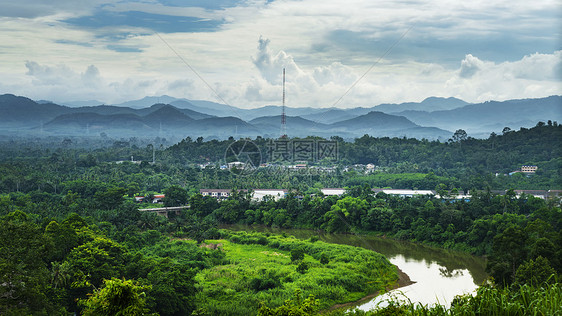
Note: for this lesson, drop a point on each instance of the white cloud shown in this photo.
(72, 63)
(537, 66)
(470, 65)
(533, 75)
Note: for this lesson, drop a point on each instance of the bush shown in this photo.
(302, 268)
(297, 254)
(324, 259)
(265, 282)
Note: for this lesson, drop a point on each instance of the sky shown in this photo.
(336, 53)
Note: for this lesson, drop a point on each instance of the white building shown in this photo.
(276, 194)
(236, 164)
(529, 169)
(333, 191)
(404, 192)
(216, 193)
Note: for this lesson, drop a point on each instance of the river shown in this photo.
(439, 275)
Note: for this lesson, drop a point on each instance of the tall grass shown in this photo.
(258, 269)
(526, 300)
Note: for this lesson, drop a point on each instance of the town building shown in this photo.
(333, 191)
(529, 169)
(405, 193)
(261, 194)
(216, 193)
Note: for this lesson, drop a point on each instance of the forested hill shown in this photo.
(540, 145)
(401, 163)
(498, 153)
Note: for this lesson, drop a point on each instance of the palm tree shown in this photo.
(60, 273)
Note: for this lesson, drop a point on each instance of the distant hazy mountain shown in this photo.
(428, 105)
(296, 126)
(376, 120)
(217, 109)
(77, 104)
(330, 116)
(207, 107)
(184, 118)
(492, 115)
(224, 127)
(147, 101)
(24, 112)
(93, 123)
(168, 116)
(381, 124)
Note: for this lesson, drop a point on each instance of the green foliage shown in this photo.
(489, 300)
(173, 289)
(68, 220)
(23, 274)
(297, 254)
(258, 272)
(324, 259)
(302, 267)
(535, 273)
(265, 281)
(175, 196)
(527, 300)
(99, 259)
(117, 298)
(292, 307)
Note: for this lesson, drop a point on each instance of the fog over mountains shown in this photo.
(164, 116)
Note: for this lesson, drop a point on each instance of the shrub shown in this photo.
(324, 259)
(297, 254)
(302, 267)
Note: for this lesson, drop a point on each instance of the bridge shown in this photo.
(163, 211)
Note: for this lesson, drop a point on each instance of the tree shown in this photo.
(117, 298)
(508, 253)
(175, 196)
(110, 198)
(173, 289)
(23, 273)
(62, 237)
(534, 273)
(96, 260)
(459, 136)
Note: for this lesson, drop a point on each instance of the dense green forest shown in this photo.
(48, 164)
(72, 238)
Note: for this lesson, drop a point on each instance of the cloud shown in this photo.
(107, 49)
(49, 75)
(470, 65)
(92, 78)
(270, 64)
(334, 73)
(30, 9)
(537, 67)
(61, 83)
(533, 75)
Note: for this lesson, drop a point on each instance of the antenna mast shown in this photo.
(283, 117)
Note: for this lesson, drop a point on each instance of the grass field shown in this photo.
(259, 269)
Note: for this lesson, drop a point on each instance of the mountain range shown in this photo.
(433, 118)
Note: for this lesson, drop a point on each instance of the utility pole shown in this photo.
(283, 117)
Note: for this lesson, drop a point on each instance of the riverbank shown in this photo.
(439, 274)
(403, 280)
(261, 268)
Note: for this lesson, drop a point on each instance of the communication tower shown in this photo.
(283, 117)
